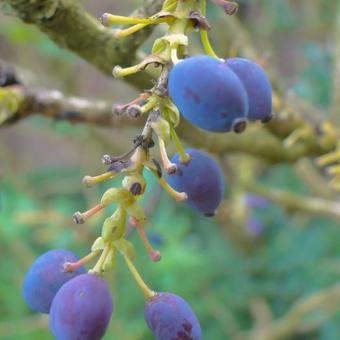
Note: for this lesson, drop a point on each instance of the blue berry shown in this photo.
(208, 94)
(256, 201)
(254, 226)
(257, 85)
(170, 317)
(201, 178)
(46, 276)
(81, 309)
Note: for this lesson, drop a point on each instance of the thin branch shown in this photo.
(53, 104)
(327, 299)
(292, 202)
(69, 25)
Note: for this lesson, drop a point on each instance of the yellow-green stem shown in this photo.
(148, 293)
(184, 157)
(150, 104)
(178, 196)
(111, 19)
(204, 34)
(328, 158)
(98, 267)
(179, 26)
(128, 31)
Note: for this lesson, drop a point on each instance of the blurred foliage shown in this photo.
(42, 163)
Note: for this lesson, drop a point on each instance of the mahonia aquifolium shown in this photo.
(211, 93)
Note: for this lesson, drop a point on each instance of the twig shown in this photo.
(327, 299)
(292, 202)
(54, 104)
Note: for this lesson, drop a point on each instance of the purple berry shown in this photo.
(257, 86)
(45, 277)
(201, 178)
(170, 317)
(254, 226)
(209, 94)
(81, 309)
(256, 201)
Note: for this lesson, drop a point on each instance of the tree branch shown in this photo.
(68, 24)
(53, 104)
(256, 141)
(289, 324)
(292, 202)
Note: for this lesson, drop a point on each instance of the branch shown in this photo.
(256, 141)
(68, 24)
(290, 323)
(292, 202)
(53, 104)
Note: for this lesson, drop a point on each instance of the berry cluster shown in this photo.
(80, 306)
(212, 94)
(198, 86)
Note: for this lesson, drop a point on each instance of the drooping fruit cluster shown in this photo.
(212, 94)
(80, 306)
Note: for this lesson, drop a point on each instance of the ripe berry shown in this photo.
(81, 309)
(208, 94)
(201, 179)
(46, 276)
(257, 85)
(170, 317)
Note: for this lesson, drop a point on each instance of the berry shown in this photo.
(46, 276)
(256, 201)
(81, 309)
(254, 226)
(171, 318)
(257, 85)
(209, 94)
(201, 179)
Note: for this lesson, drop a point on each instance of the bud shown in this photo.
(135, 183)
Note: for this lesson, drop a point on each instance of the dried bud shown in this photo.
(239, 125)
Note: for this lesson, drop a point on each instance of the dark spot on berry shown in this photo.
(182, 336)
(189, 94)
(187, 326)
(224, 114)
